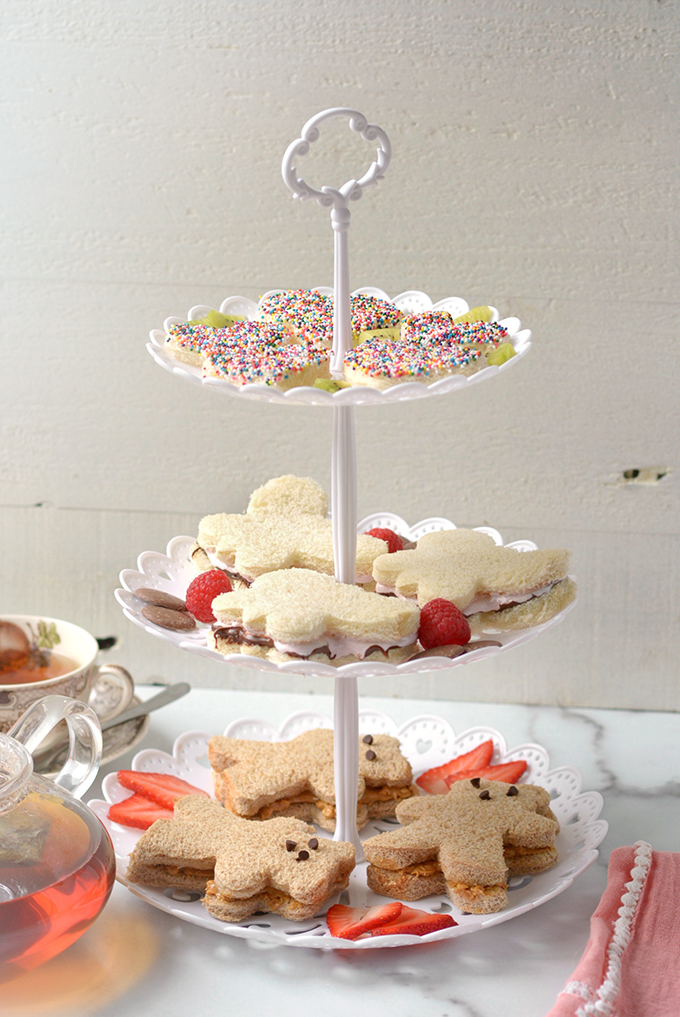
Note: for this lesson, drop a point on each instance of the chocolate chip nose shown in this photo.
(302, 856)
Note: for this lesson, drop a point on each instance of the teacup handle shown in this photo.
(116, 675)
(84, 734)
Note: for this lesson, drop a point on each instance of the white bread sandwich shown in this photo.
(497, 588)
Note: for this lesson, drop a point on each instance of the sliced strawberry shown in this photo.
(138, 811)
(345, 922)
(412, 922)
(162, 788)
(436, 781)
(509, 772)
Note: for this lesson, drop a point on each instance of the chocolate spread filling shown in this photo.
(234, 634)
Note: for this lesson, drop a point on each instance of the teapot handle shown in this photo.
(84, 732)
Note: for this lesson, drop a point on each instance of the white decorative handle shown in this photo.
(353, 189)
(337, 199)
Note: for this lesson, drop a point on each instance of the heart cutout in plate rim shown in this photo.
(422, 746)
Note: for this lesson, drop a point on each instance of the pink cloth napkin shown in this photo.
(631, 965)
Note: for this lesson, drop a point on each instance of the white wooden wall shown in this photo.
(535, 167)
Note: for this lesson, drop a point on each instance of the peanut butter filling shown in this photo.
(472, 892)
(386, 794)
(423, 868)
(514, 851)
(371, 795)
(277, 898)
(185, 870)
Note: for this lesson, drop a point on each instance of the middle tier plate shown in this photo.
(173, 571)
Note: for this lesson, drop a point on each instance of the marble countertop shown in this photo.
(144, 963)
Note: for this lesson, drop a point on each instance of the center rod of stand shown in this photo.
(346, 704)
(346, 760)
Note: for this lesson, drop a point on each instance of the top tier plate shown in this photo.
(411, 301)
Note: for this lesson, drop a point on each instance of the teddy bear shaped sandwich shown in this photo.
(258, 780)
(465, 844)
(286, 525)
(497, 588)
(280, 866)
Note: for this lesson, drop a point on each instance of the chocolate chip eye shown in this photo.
(476, 781)
(485, 796)
(512, 792)
(302, 856)
(367, 739)
(290, 845)
(313, 843)
(371, 754)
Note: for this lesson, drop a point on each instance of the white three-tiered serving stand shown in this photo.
(173, 571)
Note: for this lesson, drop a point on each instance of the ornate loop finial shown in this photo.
(352, 189)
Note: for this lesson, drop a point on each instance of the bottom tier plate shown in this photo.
(426, 741)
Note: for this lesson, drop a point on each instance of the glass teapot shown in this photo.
(57, 864)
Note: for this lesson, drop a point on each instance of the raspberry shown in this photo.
(442, 624)
(202, 591)
(392, 539)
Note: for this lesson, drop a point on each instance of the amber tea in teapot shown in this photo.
(57, 864)
(40, 915)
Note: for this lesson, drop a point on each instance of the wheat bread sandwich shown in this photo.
(285, 526)
(258, 780)
(465, 844)
(497, 588)
(243, 867)
(297, 614)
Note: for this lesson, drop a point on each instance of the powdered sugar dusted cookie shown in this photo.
(280, 866)
(300, 614)
(464, 844)
(258, 780)
(497, 588)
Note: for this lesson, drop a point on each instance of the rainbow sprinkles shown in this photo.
(288, 345)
